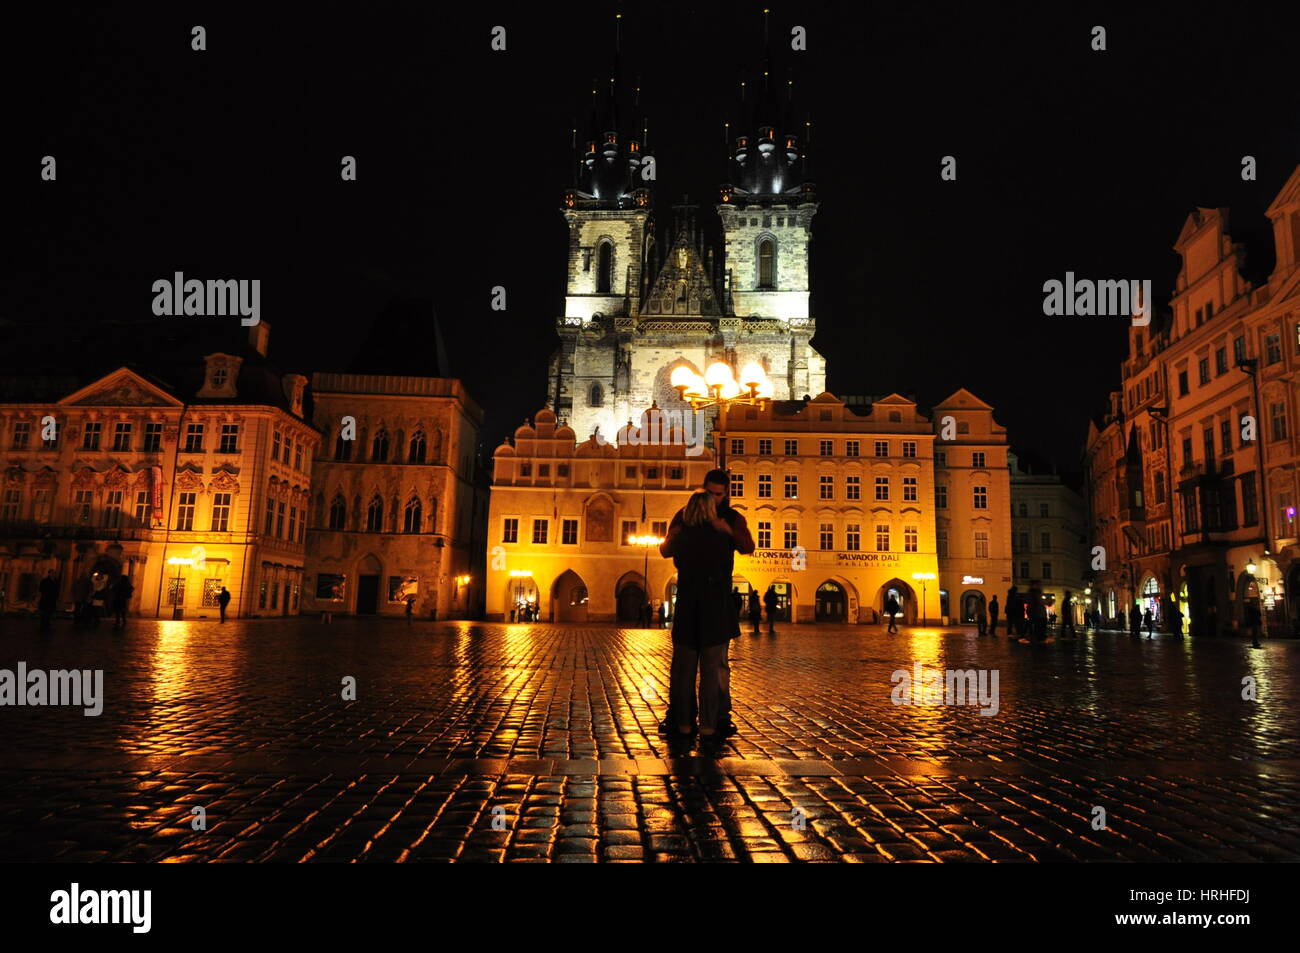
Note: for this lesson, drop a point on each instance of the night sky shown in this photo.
(225, 164)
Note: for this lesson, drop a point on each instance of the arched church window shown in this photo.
(605, 269)
(379, 448)
(342, 448)
(597, 396)
(411, 517)
(767, 263)
(375, 515)
(338, 513)
(415, 453)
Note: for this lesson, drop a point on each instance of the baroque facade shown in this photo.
(185, 489)
(1192, 471)
(393, 515)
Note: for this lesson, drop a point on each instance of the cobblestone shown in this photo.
(552, 726)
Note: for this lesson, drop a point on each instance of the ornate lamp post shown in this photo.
(717, 388)
(923, 578)
(646, 543)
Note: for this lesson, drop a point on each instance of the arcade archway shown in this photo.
(832, 602)
(906, 597)
(569, 598)
(630, 598)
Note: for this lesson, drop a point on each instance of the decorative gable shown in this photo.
(122, 388)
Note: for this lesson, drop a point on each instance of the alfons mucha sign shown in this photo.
(771, 557)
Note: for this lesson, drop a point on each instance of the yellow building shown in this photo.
(393, 515)
(845, 507)
(185, 490)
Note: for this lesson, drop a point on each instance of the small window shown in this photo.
(596, 396)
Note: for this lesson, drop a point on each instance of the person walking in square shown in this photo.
(223, 600)
(1135, 621)
(48, 591)
(410, 609)
(891, 610)
(122, 590)
(771, 602)
(755, 611)
(993, 616)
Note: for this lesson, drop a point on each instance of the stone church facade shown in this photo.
(632, 314)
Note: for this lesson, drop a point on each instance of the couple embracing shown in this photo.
(702, 541)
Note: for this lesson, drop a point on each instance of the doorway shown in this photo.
(570, 598)
(832, 606)
(367, 595)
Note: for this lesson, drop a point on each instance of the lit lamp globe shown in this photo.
(718, 376)
(686, 382)
(753, 376)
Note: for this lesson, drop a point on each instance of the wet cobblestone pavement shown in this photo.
(473, 742)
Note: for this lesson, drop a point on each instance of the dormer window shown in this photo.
(219, 377)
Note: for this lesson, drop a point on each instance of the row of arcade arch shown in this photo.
(834, 600)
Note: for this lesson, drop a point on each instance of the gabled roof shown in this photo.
(1199, 218)
(682, 266)
(963, 398)
(121, 388)
(1289, 194)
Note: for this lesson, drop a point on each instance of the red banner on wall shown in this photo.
(156, 492)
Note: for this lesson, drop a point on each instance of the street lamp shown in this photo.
(718, 388)
(646, 542)
(923, 576)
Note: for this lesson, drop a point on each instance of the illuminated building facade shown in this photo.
(185, 487)
(1192, 471)
(393, 514)
(845, 507)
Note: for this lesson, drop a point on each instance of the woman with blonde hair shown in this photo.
(704, 620)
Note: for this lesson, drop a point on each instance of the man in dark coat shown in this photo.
(223, 600)
(993, 616)
(891, 610)
(122, 589)
(771, 602)
(49, 599)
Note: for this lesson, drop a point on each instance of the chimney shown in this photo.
(259, 337)
(294, 385)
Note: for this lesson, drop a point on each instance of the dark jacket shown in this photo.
(705, 613)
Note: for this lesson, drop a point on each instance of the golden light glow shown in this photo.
(752, 374)
(517, 573)
(718, 375)
(645, 540)
(924, 575)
